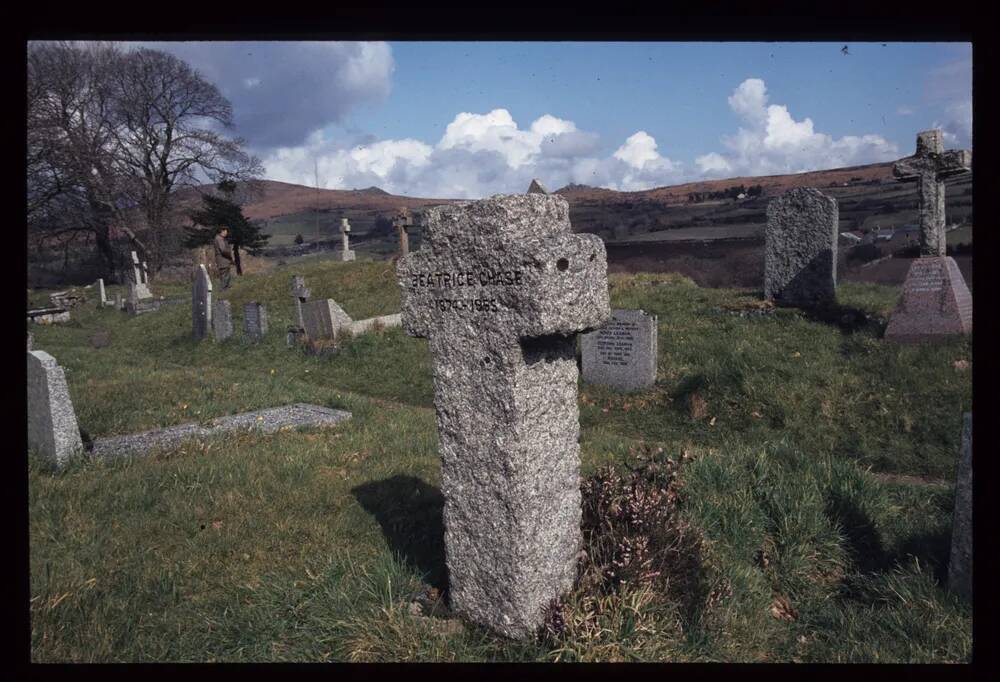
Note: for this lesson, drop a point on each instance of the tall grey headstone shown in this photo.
(800, 248)
(622, 353)
(346, 254)
(500, 291)
(323, 319)
(960, 562)
(139, 278)
(936, 302)
(222, 320)
(52, 428)
(254, 321)
(201, 303)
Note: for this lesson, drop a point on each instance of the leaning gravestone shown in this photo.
(500, 291)
(140, 278)
(201, 303)
(222, 320)
(936, 302)
(52, 428)
(323, 319)
(960, 562)
(254, 321)
(622, 353)
(800, 248)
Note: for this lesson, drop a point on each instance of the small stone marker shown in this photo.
(403, 221)
(800, 250)
(139, 278)
(500, 290)
(383, 322)
(345, 251)
(323, 319)
(222, 320)
(201, 303)
(537, 188)
(254, 321)
(936, 302)
(118, 302)
(960, 562)
(622, 353)
(102, 299)
(52, 428)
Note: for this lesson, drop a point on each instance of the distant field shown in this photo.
(684, 234)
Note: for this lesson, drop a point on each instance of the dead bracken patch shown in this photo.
(697, 406)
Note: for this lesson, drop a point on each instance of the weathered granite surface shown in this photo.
(800, 248)
(936, 304)
(500, 288)
(267, 421)
(222, 320)
(52, 428)
(323, 318)
(622, 353)
(201, 303)
(960, 562)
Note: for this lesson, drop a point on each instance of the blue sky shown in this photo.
(469, 119)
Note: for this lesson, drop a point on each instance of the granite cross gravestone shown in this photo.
(960, 562)
(346, 254)
(222, 320)
(537, 188)
(936, 302)
(254, 321)
(139, 278)
(622, 353)
(800, 248)
(500, 290)
(52, 428)
(323, 319)
(403, 222)
(201, 303)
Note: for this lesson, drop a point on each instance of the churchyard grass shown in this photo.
(820, 478)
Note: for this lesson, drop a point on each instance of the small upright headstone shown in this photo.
(500, 290)
(119, 305)
(323, 319)
(936, 302)
(52, 428)
(346, 254)
(102, 299)
(254, 321)
(622, 353)
(800, 248)
(222, 320)
(537, 188)
(139, 278)
(403, 222)
(201, 303)
(960, 562)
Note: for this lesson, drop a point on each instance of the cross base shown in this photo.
(936, 303)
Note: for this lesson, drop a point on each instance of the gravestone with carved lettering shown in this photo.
(346, 254)
(800, 248)
(254, 321)
(960, 561)
(222, 320)
(500, 289)
(622, 353)
(201, 303)
(936, 302)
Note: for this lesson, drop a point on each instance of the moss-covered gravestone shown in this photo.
(500, 290)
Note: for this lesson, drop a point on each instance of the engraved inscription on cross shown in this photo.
(929, 167)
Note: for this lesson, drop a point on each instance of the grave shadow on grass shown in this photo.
(848, 319)
(870, 555)
(410, 513)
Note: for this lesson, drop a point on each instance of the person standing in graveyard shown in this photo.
(223, 257)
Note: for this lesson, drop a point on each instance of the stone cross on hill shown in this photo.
(928, 167)
(345, 250)
(936, 302)
(500, 290)
(403, 222)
